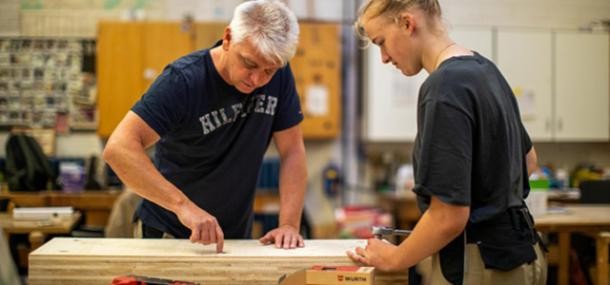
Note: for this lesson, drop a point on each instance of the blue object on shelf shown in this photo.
(331, 179)
(72, 176)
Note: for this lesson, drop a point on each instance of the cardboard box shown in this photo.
(330, 275)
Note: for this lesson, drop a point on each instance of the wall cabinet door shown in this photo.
(391, 100)
(119, 72)
(163, 43)
(478, 39)
(561, 81)
(317, 71)
(207, 34)
(525, 59)
(581, 86)
(130, 55)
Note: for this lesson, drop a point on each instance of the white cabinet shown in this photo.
(560, 80)
(525, 59)
(478, 39)
(391, 100)
(581, 86)
(390, 104)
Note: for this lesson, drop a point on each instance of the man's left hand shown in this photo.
(285, 236)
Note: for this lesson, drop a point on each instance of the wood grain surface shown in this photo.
(97, 261)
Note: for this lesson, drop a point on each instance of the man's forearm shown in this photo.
(293, 181)
(134, 168)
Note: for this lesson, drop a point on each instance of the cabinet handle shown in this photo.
(547, 124)
(559, 124)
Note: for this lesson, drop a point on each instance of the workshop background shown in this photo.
(70, 70)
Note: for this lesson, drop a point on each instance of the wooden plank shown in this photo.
(97, 261)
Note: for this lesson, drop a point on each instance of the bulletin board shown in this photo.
(317, 70)
(47, 83)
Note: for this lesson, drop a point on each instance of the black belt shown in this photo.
(519, 218)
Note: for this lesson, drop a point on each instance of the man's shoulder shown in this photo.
(191, 62)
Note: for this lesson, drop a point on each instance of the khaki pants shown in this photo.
(476, 273)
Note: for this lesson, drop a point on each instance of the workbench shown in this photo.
(36, 230)
(576, 218)
(95, 205)
(97, 261)
(591, 219)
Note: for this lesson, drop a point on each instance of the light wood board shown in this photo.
(97, 261)
(575, 216)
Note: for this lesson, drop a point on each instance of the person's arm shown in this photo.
(125, 153)
(531, 160)
(438, 226)
(293, 179)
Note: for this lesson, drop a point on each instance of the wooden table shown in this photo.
(570, 196)
(95, 205)
(98, 261)
(588, 219)
(37, 230)
(403, 206)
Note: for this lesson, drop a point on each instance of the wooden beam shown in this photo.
(98, 261)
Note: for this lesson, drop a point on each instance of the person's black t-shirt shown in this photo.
(213, 139)
(471, 145)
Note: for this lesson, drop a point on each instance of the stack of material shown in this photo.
(97, 261)
(42, 213)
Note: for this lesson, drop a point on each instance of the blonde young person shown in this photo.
(471, 157)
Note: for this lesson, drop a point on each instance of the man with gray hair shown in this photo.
(212, 115)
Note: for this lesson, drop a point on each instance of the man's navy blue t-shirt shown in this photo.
(213, 139)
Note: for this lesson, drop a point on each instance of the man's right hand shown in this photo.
(204, 227)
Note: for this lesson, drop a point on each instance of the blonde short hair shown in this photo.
(391, 9)
(270, 26)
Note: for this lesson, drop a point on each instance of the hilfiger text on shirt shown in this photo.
(261, 103)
